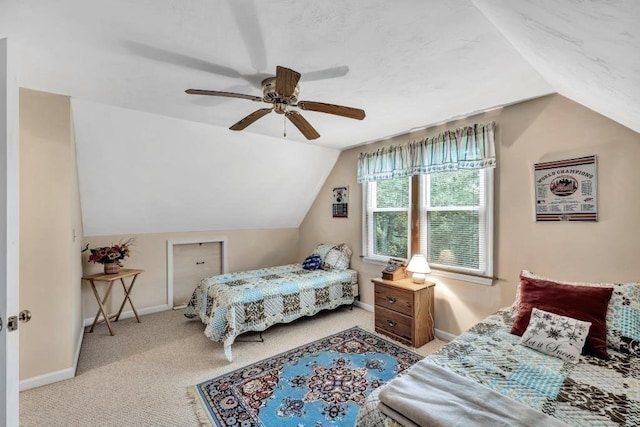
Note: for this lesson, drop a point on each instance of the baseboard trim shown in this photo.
(78, 347)
(56, 376)
(129, 314)
(52, 377)
(444, 336)
(68, 373)
(363, 306)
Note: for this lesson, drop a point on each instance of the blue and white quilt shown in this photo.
(234, 303)
(591, 392)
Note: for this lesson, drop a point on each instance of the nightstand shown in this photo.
(404, 310)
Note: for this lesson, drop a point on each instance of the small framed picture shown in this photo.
(341, 202)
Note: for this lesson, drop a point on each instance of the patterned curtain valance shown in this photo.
(470, 147)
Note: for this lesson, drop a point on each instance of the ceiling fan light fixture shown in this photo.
(280, 107)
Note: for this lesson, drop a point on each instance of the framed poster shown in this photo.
(566, 190)
(341, 202)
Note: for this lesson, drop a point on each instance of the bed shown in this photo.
(497, 376)
(234, 303)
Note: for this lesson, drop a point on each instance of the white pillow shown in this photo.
(556, 335)
(337, 258)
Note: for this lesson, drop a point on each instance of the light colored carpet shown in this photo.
(139, 377)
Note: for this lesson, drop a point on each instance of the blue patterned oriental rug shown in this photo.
(318, 384)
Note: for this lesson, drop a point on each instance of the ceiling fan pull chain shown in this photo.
(284, 117)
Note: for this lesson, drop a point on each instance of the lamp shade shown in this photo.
(419, 267)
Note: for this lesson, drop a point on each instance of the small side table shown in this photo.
(110, 278)
(404, 310)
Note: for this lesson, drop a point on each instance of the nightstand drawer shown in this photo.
(394, 299)
(394, 323)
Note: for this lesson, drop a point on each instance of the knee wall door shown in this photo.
(193, 262)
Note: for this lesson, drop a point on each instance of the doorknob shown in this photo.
(12, 322)
(24, 316)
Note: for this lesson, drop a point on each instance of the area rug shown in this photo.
(318, 384)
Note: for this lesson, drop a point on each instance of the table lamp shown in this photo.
(419, 267)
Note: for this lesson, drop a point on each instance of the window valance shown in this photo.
(469, 147)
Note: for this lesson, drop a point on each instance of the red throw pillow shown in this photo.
(584, 303)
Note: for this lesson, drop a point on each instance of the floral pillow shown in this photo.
(623, 312)
(556, 335)
(337, 258)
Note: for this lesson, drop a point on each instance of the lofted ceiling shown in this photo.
(408, 64)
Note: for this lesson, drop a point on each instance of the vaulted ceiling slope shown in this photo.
(142, 173)
(408, 64)
(588, 51)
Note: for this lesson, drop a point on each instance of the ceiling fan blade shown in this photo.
(178, 59)
(251, 118)
(302, 124)
(338, 110)
(219, 93)
(327, 73)
(246, 17)
(286, 81)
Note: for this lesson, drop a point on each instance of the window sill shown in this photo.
(478, 280)
(376, 261)
(486, 281)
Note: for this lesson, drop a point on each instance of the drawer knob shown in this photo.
(391, 300)
(391, 323)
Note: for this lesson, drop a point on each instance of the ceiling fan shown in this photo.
(282, 91)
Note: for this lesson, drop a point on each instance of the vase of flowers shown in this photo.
(110, 256)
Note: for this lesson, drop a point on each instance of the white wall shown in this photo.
(143, 173)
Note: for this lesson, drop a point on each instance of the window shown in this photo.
(449, 195)
(456, 218)
(455, 229)
(387, 219)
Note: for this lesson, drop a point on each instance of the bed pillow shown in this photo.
(555, 335)
(623, 312)
(337, 258)
(530, 275)
(623, 319)
(312, 262)
(322, 249)
(588, 304)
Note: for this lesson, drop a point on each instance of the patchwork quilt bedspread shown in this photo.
(233, 303)
(592, 392)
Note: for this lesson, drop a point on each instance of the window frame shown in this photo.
(483, 276)
(368, 196)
